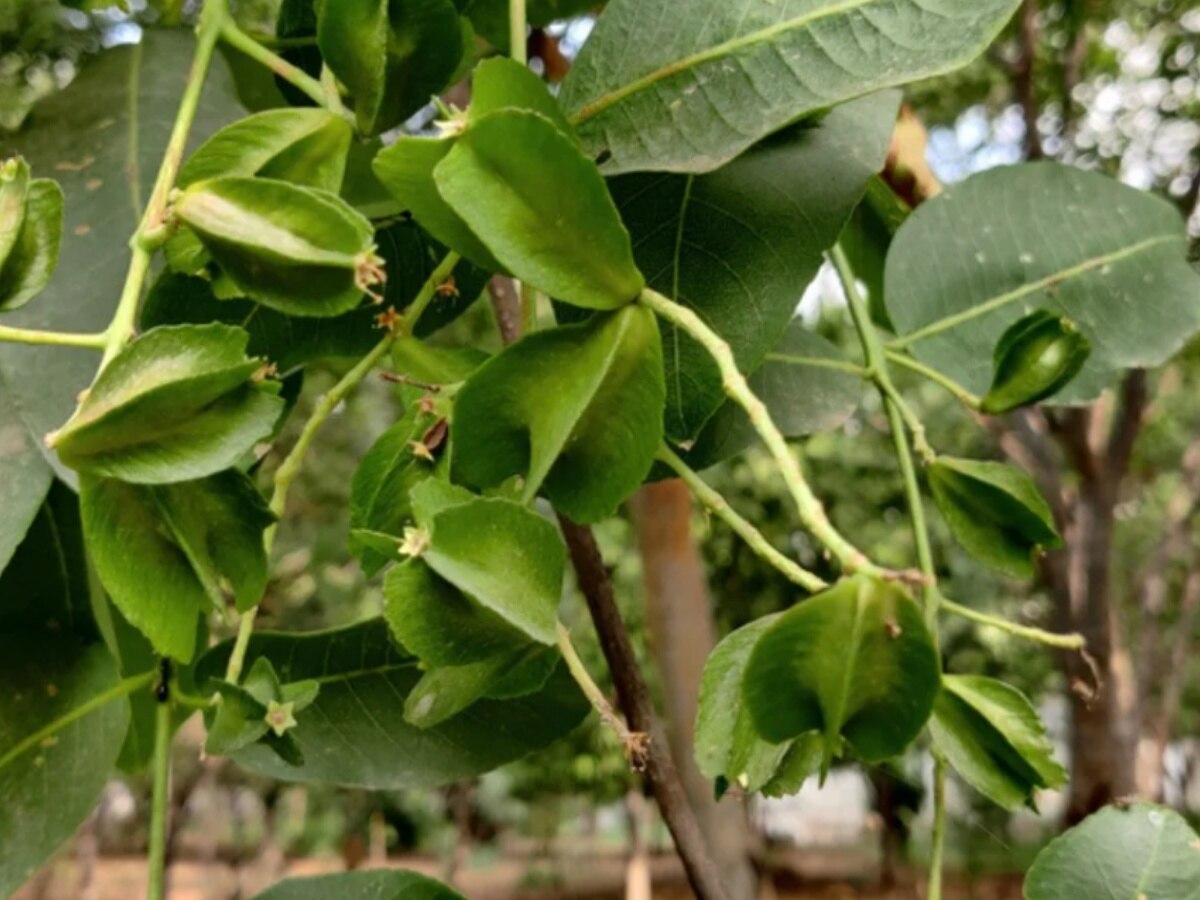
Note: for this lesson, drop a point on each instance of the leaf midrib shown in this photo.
(950, 322)
(725, 48)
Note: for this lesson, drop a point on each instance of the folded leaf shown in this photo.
(51, 785)
(855, 662)
(542, 208)
(689, 91)
(304, 146)
(178, 403)
(587, 443)
(27, 263)
(165, 554)
(1124, 280)
(1138, 851)
(993, 738)
(392, 55)
(1035, 358)
(355, 733)
(994, 511)
(302, 251)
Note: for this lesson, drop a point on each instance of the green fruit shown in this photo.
(1034, 359)
(31, 216)
(994, 511)
(300, 250)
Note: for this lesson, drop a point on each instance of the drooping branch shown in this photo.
(634, 699)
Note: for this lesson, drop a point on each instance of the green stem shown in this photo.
(116, 692)
(820, 362)
(877, 364)
(812, 512)
(1049, 638)
(150, 230)
(591, 690)
(157, 854)
(754, 538)
(938, 849)
(516, 30)
(294, 461)
(957, 390)
(52, 338)
(293, 75)
(908, 417)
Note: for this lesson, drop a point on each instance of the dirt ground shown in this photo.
(595, 878)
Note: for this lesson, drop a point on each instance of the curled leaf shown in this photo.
(31, 221)
(1035, 358)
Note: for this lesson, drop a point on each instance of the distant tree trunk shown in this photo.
(682, 634)
(638, 884)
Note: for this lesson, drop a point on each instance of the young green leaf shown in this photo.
(689, 91)
(502, 83)
(392, 55)
(373, 885)
(435, 365)
(727, 744)
(994, 511)
(736, 245)
(542, 208)
(29, 250)
(855, 662)
(1124, 280)
(1035, 358)
(307, 147)
(576, 409)
(49, 786)
(1140, 851)
(165, 554)
(992, 736)
(178, 403)
(506, 557)
(406, 170)
(261, 709)
(302, 251)
(355, 731)
(379, 490)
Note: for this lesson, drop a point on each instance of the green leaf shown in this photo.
(50, 785)
(803, 387)
(727, 744)
(445, 692)
(178, 403)
(261, 709)
(439, 624)
(103, 138)
(688, 91)
(45, 587)
(435, 365)
(739, 245)
(1110, 258)
(506, 557)
(406, 170)
(379, 489)
(355, 733)
(542, 208)
(165, 553)
(502, 83)
(298, 19)
(377, 885)
(392, 55)
(992, 736)
(304, 146)
(295, 249)
(994, 511)
(1139, 851)
(566, 442)
(855, 662)
(26, 269)
(866, 238)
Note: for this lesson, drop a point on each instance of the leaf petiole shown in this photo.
(52, 338)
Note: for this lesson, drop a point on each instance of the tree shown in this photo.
(673, 199)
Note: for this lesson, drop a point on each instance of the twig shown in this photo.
(1049, 638)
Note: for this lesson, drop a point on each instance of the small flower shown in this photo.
(280, 716)
(416, 542)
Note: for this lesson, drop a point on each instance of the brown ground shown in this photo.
(595, 878)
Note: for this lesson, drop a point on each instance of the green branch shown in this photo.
(634, 743)
(294, 461)
(812, 512)
(156, 861)
(1049, 638)
(52, 338)
(971, 401)
(293, 75)
(754, 538)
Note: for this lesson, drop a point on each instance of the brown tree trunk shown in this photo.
(682, 634)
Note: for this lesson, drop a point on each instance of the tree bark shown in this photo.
(681, 635)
